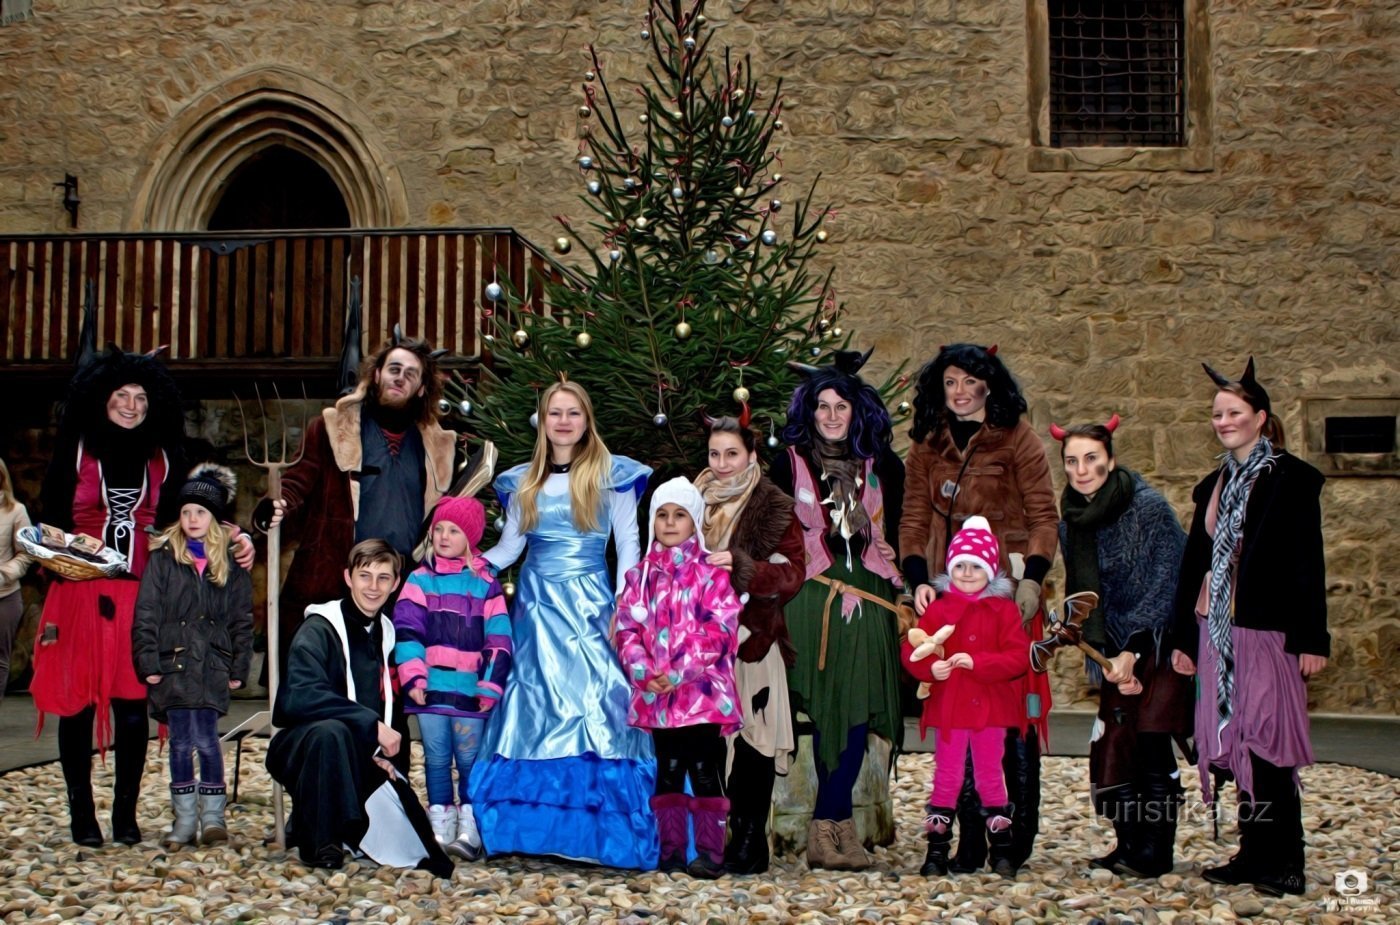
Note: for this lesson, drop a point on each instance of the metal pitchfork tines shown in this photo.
(274, 461)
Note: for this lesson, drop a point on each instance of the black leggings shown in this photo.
(130, 734)
(694, 750)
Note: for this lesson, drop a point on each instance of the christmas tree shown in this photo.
(697, 287)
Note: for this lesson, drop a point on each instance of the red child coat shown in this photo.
(988, 628)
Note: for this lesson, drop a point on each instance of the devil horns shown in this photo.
(1059, 433)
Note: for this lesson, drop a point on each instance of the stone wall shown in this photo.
(1105, 288)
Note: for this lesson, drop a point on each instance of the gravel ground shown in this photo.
(1350, 818)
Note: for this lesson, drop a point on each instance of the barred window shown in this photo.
(1117, 73)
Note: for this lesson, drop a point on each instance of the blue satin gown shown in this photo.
(561, 772)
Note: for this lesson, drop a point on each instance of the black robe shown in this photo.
(324, 752)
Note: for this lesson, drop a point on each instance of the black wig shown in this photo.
(1005, 404)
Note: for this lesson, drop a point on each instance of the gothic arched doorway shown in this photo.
(279, 188)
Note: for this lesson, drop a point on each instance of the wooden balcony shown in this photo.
(258, 306)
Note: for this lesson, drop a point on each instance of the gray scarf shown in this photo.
(1224, 557)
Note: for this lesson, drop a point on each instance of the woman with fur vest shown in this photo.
(753, 533)
(192, 642)
(1122, 541)
(971, 703)
(973, 453)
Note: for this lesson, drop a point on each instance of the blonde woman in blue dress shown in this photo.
(564, 774)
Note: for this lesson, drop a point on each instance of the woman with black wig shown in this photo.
(849, 489)
(973, 454)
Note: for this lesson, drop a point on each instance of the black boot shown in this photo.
(971, 855)
(75, 758)
(1150, 853)
(1021, 764)
(939, 825)
(1119, 805)
(747, 851)
(1279, 871)
(129, 745)
(1001, 840)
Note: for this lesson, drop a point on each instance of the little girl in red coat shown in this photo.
(970, 703)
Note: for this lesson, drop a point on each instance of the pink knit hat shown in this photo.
(466, 513)
(975, 543)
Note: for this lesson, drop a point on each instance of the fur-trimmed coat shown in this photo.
(988, 628)
(769, 566)
(323, 500)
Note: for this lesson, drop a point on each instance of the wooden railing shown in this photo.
(257, 302)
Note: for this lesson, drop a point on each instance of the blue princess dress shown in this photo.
(561, 772)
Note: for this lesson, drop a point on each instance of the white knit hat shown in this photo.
(678, 491)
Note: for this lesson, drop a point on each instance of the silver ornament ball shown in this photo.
(499, 523)
(583, 338)
(660, 419)
(585, 162)
(521, 338)
(689, 43)
(769, 236)
(614, 256)
(494, 292)
(594, 187)
(464, 406)
(727, 121)
(773, 442)
(646, 34)
(677, 192)
(444, 406)
(535, 420)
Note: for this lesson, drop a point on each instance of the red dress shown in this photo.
(90, 662)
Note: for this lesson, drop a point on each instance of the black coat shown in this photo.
(1281, 584)
(196, 635)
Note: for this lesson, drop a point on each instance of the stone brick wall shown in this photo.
(1105, 289)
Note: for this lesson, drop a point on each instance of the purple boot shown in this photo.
(672, 825)
(710, 814)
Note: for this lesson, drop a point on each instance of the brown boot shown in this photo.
(821, 845)
(850, 853)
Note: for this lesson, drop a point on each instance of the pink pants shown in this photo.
(950, 760)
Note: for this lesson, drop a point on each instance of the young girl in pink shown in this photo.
(676, 633)
(970, 703)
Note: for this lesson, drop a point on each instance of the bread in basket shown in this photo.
(108, 563)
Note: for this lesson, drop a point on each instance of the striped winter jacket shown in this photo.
(453, 637)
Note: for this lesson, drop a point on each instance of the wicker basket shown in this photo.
(69, 566)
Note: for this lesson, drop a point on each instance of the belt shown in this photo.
(840, 587)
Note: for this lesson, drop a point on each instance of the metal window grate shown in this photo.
(1117, 73)
(1361, 434)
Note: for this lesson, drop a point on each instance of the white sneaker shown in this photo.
(467, 845)
(444, 822)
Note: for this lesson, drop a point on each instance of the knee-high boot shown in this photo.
(971, 854)
(130, 738)
(75, 758)
(1150, 853)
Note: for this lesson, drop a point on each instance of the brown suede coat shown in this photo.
(1006, 480)
(769, 566)
(323, 498)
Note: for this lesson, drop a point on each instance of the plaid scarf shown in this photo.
(1224, 558)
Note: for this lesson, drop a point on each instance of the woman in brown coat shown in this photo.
(973, 454)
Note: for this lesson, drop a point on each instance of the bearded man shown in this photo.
(375, 463)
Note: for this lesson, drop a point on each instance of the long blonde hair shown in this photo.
(216, 556)
(7, 493)
(590, 467)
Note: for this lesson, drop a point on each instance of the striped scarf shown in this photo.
(1224, 557)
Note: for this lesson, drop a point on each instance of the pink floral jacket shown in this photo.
(678, 617)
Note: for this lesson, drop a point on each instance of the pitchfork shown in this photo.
(274, 464)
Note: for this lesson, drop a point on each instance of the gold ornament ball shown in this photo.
(836, 332)
(584, 112)
(741, 394)
(739, 191)
(821, 236)
(562, 245)
(521, 338)
(823, 324)
(641, 223)
(509, 589)
(583, 338)
(682, 330)
(903, 408)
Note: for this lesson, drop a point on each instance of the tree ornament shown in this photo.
(769, 236)
(535, 420)
(584, 112)
(738, 92)
(465, 407)
(643, 119)
(499, 523)
(727, 121)
(682, 330)
(821, 236)
(521, 338)
(444, 406)
(777, 178)
(903, 409)
(583, 338)
(689, 43)
(660, 419)
(778, 124)
(594, 187)
(589, 76)
(641, 223)
(776, 205)
(645, 35)
(494, 292)
(508, 589)
(585, 162)
(773, 442)
(629, 184)
(741, 394)
(562, 245)
(816, 351)
(614, 255)
(488, 339)
(677, 192)
(824, 325)
(836, 332)
(739, 191)
(712, 257)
